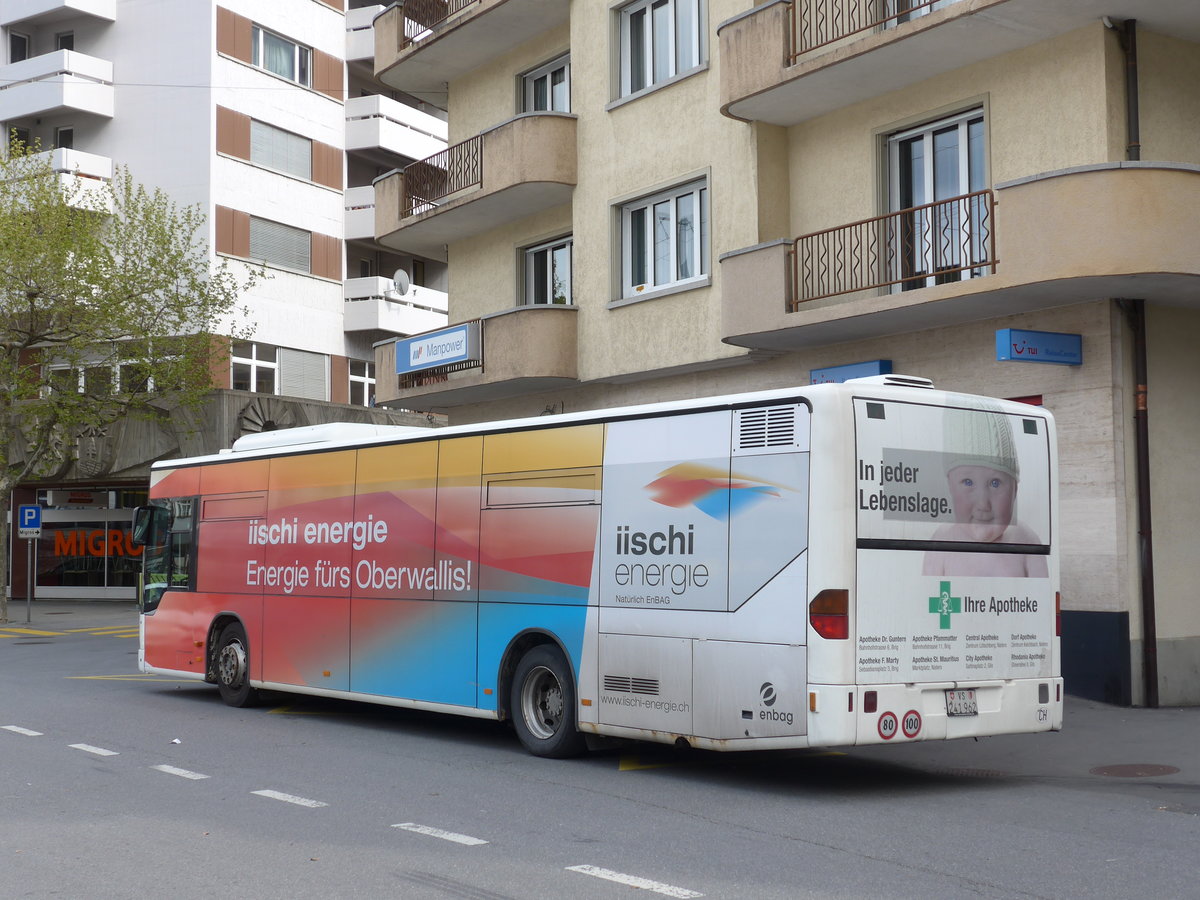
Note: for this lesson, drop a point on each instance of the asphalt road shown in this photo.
(114, 784)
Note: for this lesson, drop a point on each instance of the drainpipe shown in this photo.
(1127, 33)
(1135, 313)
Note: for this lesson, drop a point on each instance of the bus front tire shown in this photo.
(543, 704)
(233, 667)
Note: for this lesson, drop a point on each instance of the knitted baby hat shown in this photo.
(976, 438)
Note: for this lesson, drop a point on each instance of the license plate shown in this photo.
(961, 703)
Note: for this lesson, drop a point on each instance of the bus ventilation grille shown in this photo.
(772, 426)
(627, 684)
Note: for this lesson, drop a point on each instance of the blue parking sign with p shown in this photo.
(29, 521)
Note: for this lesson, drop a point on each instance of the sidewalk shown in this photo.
(63, 614)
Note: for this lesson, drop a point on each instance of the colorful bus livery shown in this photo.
(841, 564)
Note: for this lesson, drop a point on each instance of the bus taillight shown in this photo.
(829, 614)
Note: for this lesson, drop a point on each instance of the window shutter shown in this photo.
(303, 374)
(280, 244)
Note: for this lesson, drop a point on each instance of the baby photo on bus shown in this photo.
(982, 480)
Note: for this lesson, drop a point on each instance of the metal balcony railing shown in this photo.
(453, 169)
(420, 16)
(949, 240)
(816, 23)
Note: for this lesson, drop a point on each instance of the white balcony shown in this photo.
(360, 213)
(83, 177)
(367, 308)
(56, 82)
(379, 124)
(49, 11)
(360, 33)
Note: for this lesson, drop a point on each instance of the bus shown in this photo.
(872, 562)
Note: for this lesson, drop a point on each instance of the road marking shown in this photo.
(99, 751)
(182, 773)
(146, 677)
(290, 798)
(438, 833)
(17, 729)
(33, 631)
(667, 890)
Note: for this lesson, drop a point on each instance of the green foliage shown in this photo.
(109, 306)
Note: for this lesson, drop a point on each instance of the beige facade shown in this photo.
(879, 189)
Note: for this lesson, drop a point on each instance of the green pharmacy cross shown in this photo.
(943, 605)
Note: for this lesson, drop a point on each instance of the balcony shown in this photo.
(523, 166)
(785, 63)
(359, 221)
(360, 33)
(368, 307)
(62, 81)
(422, 45)
(525, 350)
(1116, 230)
(81, 174)
(45, 12)
(382, 129)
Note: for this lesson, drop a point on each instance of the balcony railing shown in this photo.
(453, 169)
(421, 16)
(949, 240)
(816, 23)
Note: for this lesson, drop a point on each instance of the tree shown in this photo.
(109, 307)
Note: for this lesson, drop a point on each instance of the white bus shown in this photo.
(862, 563)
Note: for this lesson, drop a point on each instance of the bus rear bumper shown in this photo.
(898, 713)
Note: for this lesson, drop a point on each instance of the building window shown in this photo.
(21, 137)
(548, 88)
(280, 56)
(659, 39)
(548, 273)
(907, 10)
(664, 239)
(280, 150)
(18, 46)
(942, 228)
(64, 40)
(255, 367)
(280, 245)
(362, 383)
(64, 137)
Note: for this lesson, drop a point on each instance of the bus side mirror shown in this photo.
(150, 526)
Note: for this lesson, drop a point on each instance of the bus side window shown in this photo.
(183, 545)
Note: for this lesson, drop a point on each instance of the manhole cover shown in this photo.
(1134, 770)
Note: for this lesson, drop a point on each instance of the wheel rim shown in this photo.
(231, 666)
(542, 702)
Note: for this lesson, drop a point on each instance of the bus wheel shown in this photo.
(543, 704)
(233, 667)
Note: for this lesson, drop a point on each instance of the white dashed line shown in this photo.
(438, 833)
(289, 798)
(182, 773)
(17, 729)
(99, 751)
(667, 890)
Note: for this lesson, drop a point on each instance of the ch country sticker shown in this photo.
(714, 492)
(943, 605)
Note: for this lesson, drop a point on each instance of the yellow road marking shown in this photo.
(291, 711)
(34, 631)
(154, 678)
(634, 763)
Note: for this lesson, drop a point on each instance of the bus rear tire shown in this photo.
(232, 666)
(543, 704)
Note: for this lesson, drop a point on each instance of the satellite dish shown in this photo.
(402, 282)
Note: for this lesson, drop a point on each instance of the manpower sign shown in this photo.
(459, 344)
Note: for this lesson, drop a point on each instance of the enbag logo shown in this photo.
(767, 694)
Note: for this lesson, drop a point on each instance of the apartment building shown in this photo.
(267, 115)
(671, 198)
